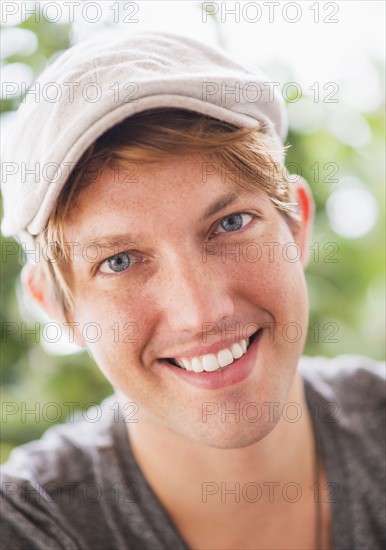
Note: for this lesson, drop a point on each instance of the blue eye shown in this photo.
(234, 222)
(119, 262)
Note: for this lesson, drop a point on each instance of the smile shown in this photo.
(214, 362)
(233, 371)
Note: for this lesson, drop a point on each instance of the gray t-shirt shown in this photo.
(79, 487)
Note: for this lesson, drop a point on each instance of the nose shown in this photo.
(194, 294)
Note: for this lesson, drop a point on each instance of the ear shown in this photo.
(303, 230)
(40, 288)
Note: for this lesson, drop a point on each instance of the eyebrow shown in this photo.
(220, 204)
(112, 241)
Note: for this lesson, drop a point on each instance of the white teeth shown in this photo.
(225, 357)
(212, 362)
(186, 364)
(237, 351)
(197, 365)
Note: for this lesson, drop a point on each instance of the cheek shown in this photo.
(114, 328)
(270, 275)
(290, 299)
(273, 282)
(284, 283)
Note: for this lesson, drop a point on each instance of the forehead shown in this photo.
(156, 185)
(146, 180)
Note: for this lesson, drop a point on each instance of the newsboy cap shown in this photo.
(97, 84)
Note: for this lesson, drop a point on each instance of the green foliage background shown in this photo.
(348, 293)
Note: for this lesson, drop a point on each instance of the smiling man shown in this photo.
(173, 229)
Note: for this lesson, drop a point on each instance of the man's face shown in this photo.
(186, 266)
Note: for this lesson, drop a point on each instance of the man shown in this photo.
(169, 216)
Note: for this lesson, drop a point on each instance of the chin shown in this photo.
(233, 435)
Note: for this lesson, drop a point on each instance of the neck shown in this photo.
(285, 455)
(207, 492)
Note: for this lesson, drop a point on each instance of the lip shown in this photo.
(236, 372)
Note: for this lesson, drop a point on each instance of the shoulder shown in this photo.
(65, 448)
(79, 486)
(354, 382)
(346, 398)
(43, 481)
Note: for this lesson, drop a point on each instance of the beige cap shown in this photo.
(97, 84)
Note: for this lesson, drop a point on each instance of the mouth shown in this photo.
(214, 362)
